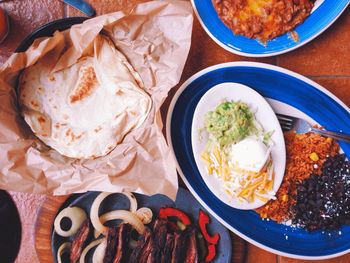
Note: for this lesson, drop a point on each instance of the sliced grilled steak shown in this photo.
(147, 254)
(202, 248)
(134, 256)
(79, 241)
(168, 248)
(122, 243)
(160, 231)
(192, 249)
(180, 245)
(144, 249)
(111, 245)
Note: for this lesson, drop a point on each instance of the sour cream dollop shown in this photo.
(249, 154)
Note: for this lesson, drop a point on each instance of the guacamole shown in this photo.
(230, 122)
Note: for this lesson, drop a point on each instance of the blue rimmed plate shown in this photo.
(287, 93)
(323, 15)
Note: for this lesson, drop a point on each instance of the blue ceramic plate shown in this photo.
(184, 201)
(324, 14)
(287, 93)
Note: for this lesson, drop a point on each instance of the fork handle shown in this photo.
(335, 135)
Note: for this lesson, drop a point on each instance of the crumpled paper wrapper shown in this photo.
(155, 37)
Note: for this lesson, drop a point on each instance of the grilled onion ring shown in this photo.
(61, 249)
(88, 247)
(127, 217)
(94, 216)
(99, 252)
(145, 214)
(75, 214)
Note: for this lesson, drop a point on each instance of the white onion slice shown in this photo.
(127, 217)
(61, 249)
(94, 216)
(100, 252)
(132, 200)
(96, 234)
(145, 215)
(75, 214)
(88, 247)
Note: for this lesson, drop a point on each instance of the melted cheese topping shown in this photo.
(258, 6)
(262, 19)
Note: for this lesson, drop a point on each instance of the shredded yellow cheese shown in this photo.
(242, 184)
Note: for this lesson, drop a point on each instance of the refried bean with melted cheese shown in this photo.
(263, 19)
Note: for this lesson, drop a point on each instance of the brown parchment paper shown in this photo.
(155, 37)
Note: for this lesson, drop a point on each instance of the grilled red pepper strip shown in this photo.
(211, 253)
(203, 221)
(166, 212)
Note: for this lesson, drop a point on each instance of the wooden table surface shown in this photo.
(326, 60)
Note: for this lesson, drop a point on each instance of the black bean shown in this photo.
(326, 165)
(317, 187)
(301, 188)
(323, 202)
(311, 186)
(312, 203)
(319, 203)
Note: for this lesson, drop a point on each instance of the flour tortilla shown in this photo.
(85, 110)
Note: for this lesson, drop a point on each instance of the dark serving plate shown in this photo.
(10, 229)
(48, 30)
(184, 200)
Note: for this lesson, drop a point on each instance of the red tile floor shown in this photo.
(325, 60)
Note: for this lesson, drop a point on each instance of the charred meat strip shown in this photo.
(79, 241)
(143, 253)
(147, 254)
(168, 248)
(134, 256)
(180, 245)
(160, 231)
(202, 248)
(192, 249)
(111, 245)
(122, 243)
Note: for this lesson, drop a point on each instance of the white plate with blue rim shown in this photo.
(288, 93)
(324, 14)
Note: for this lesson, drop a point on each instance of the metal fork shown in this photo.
(302, 126)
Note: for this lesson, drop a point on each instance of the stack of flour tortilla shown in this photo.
(85, 110)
